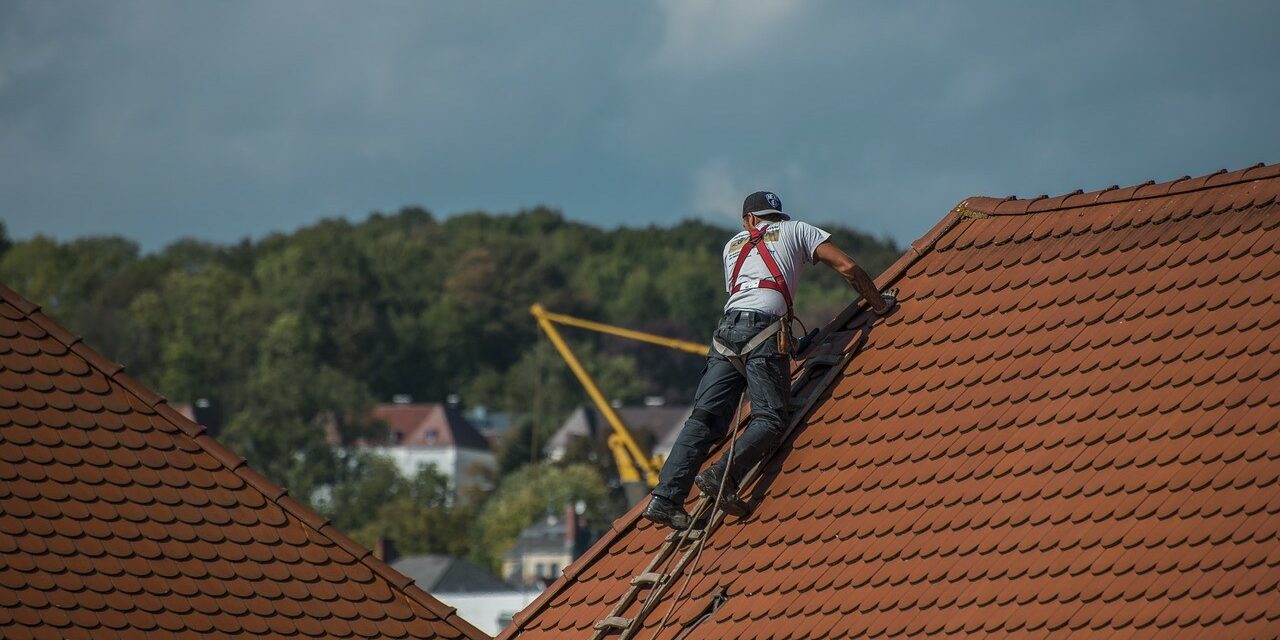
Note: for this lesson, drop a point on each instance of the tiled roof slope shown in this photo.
(1069, 427)
(120, 518)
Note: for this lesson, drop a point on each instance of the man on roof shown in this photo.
(751, 348)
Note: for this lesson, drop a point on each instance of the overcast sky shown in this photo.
(221, 120)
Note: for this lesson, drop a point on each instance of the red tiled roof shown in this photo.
(1070, 426)
(119, 517)
(430, 424)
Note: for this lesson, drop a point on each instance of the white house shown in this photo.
(436, 434)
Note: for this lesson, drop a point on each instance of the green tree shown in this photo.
(322, 275)
(372, 500)
(294, 402)
(532, 492)
(202, 329)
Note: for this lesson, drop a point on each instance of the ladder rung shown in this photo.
(692, 535)
(614, 622)
(649, 578)
(659, 581)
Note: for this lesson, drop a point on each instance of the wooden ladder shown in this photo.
(815, 373)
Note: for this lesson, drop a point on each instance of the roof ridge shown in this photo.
(1012, 205)
(270, 491)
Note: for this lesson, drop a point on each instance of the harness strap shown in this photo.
(755, 240)
(736, 358)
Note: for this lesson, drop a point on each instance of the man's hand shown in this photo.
(890, 299)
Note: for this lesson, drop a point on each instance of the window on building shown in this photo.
(538, 570)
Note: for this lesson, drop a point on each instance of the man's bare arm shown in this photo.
(831, 255)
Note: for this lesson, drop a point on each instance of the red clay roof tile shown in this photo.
(1069, 427)
(119, 517)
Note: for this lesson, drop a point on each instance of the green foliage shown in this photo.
(373, 500)
(291, 398)
(532, 492)
(198, 332)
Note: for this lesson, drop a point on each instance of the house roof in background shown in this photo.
(545, 535)
(448, 574)
(586, 422)
(433, 424)
(120, 517)
(1069, 426)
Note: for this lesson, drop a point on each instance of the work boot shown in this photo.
(664, 511)
(709, 482)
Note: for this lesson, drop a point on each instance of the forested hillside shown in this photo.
(328, 319)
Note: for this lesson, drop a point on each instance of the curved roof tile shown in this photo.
(119, 517)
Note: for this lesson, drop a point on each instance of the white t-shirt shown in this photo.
(792, 243)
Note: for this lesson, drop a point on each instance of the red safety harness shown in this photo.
(755, 240)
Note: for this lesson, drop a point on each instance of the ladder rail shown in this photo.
(655, 596)
(665, 553)
(673, 543)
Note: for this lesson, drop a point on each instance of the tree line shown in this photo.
(297, 331)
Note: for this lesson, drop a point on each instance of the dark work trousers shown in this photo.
(768, 383)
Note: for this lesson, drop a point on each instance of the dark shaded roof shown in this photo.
(448, 574)
(1071, 426)
(549, 535)
(433, 424)
(541, 537)
(122, 518)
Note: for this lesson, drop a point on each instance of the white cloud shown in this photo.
(29, 51)
(714, 191)
(718, 190)
(705, 34)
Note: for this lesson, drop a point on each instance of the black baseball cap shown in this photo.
(763, 203)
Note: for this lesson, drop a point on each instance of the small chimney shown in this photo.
(570, 528)
(384, 549)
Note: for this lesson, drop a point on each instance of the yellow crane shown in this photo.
(634, 465)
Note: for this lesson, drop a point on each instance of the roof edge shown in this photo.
(1012, 206)
(270, 491)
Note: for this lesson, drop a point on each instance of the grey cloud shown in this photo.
(158, 120)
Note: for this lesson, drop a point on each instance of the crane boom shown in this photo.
(622, 332)
(631, 460)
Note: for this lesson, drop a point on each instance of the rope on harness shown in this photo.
(715, 505)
